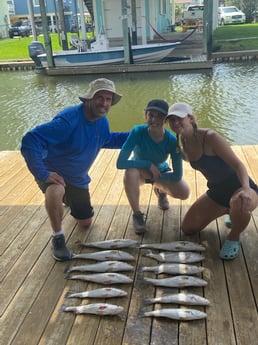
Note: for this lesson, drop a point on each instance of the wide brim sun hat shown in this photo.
(101, 84)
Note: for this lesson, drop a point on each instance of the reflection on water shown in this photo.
(224, 99)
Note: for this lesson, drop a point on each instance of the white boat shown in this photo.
(101, 54)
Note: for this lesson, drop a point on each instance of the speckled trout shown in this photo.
(171, 268)
(180, 257)
(107, 292)
(95, 308)
(177, 281)
(175, 246)
(111, 244)
(178, 298)
(176, 314)
(105, 266)
(105, 255)
(103, 278)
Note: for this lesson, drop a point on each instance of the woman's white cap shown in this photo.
(180, 110)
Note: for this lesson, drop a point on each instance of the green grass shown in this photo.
(225, 38)
(17, 48)
(235, 37)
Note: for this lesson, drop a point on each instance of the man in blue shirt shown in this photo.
(59, 154)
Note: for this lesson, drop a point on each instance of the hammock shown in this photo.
(164, 39)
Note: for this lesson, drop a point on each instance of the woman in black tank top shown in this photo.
(230, 189)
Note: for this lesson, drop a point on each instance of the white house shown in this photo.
(5, 7)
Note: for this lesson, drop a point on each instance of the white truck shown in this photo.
(193, 14)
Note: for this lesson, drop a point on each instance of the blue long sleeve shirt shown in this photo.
(68, 145)
(145, 151)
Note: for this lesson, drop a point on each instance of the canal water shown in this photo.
(225, 99)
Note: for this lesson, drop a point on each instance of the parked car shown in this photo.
(21, 28)
(230, 15)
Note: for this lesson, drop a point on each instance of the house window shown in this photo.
(163, 6)
(36, 3)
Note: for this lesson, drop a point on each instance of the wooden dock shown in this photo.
(33, 285)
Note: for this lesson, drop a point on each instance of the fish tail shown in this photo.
(78, 242)
(68, 294)
(122, 316)
(67, 269)
(62, 309)
(68, 276)
(140, 269)
(138, 245)
(141, 313)
(147, 253)
(140, 276)
(147, 301)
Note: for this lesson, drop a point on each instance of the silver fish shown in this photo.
(177, 314)
(177, 281)
(111, 244)
(105, 266)
(175, 246)
(105, 255)
(107, 292)
(103, 278)
(178, 298)
(95, 308)
(171, 268)
(181, 257)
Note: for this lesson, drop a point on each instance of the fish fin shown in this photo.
(62, 309)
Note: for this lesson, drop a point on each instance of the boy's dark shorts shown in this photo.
(77, 199)
(222, 192)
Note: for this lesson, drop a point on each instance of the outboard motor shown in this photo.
(36, 48)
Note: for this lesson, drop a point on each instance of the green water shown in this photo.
(224, 99)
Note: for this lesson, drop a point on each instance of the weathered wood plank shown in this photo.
(33, 285)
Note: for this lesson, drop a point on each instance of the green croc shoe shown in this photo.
(229, 250)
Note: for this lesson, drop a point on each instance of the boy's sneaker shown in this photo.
(60, 251)
(163, 202)
(139, 223)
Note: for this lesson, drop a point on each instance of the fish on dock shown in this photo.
(177, 281)
(119, 255)
(176, 314)
(173, 268)
(176, 257)
(94, 308)
(107, 292)
(176, 246)
(102, 278)
(105, 266)
(178, 298)
(111, 244)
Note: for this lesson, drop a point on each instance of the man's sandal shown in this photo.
(229, 250)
